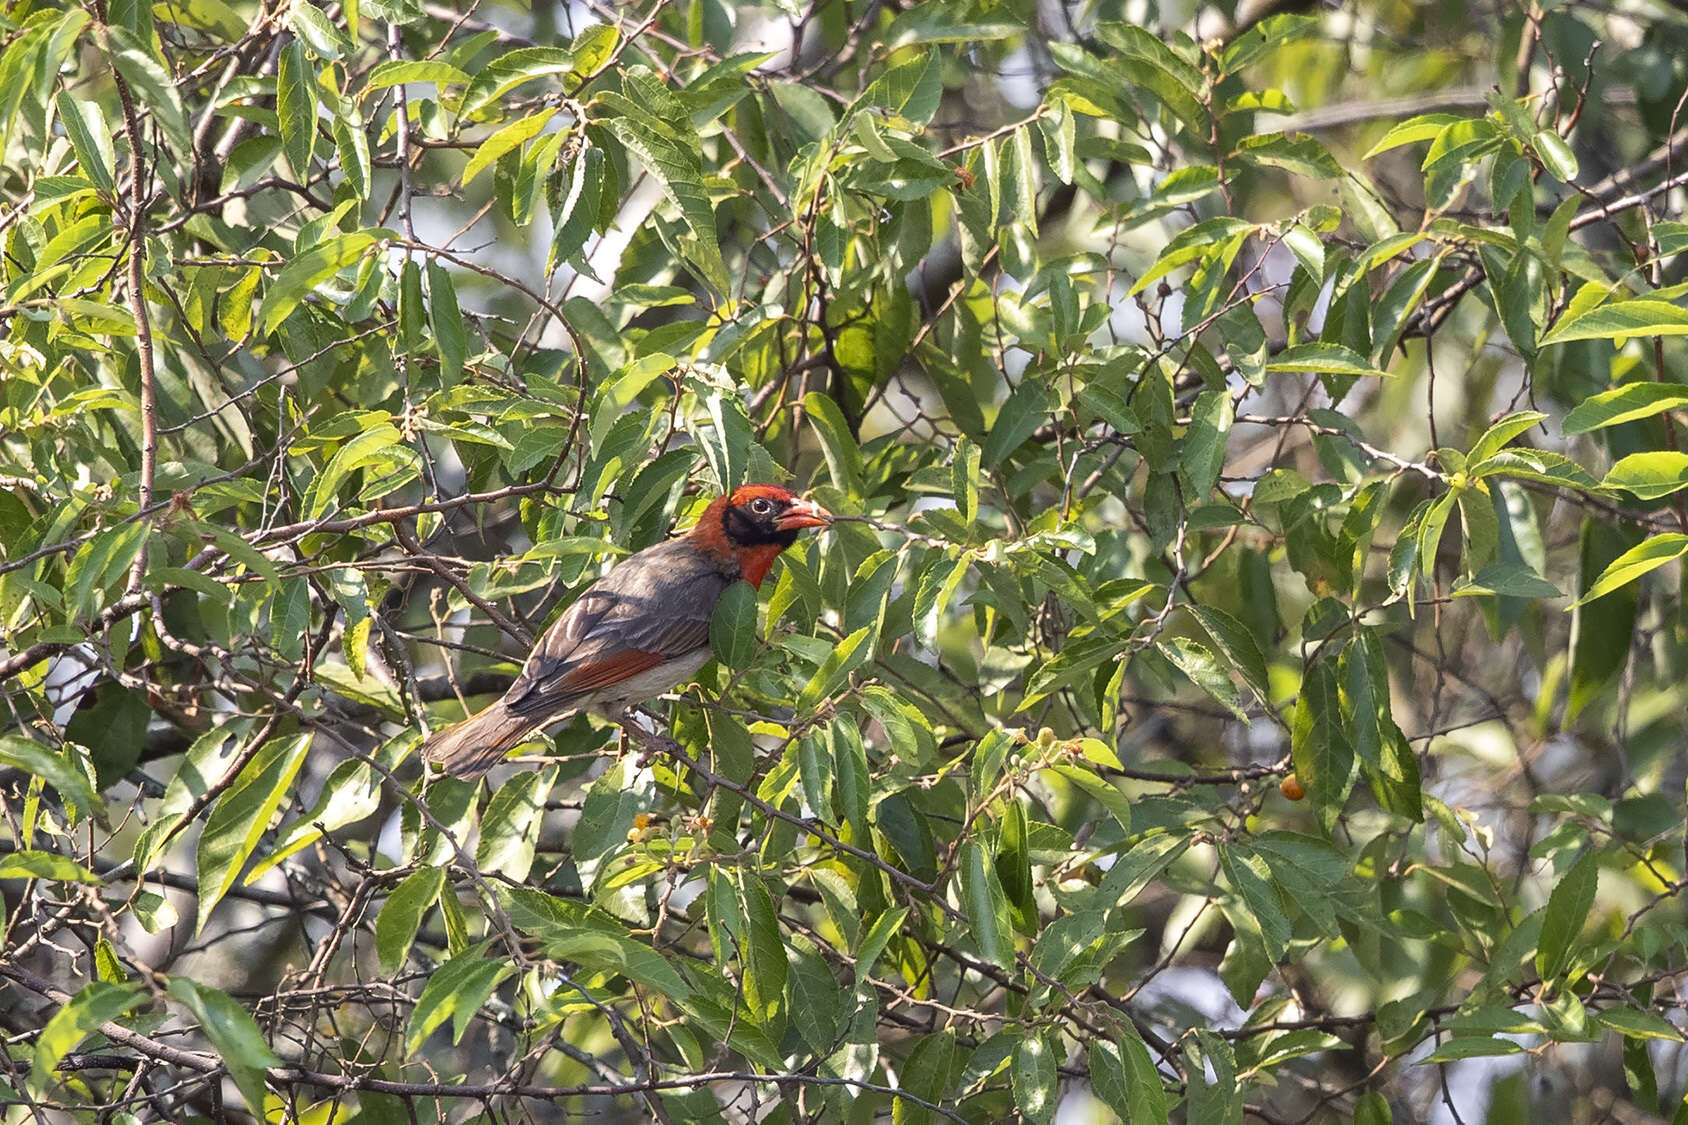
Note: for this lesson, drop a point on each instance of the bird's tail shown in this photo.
(478, 743)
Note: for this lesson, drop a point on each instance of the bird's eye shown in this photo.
(762, 505)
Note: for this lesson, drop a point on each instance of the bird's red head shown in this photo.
(752, 524)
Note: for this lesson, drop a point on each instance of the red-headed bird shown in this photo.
(638, 631)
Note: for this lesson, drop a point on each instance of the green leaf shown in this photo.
(351, 142)
(85, 125)
(1250, 877)
(1035, 1079)
(1425, 127)
(241, 815)
(668, 152)
(1324, 760)
(101, 563)
(31, 864)
(401, 916)
(370, 445)
(1323, 359)
(1124, 1076)
(873, 943)
(763, 955)
(456, 992)
(1600, 636)
(732, 626)
(510, 826)
(1638, 1023)
(1018, 418)
(451, 335)
(926, 1075)
(1649, 476)
(1556, 155)
(1494, 439)
(233, 1032)
(1507, 579)
(351, 793)
(54, 769)
(1195, 661)
(511, 136)
(843, 455)
(154, 88)
(848, 758)
(938, 584)
(296, 108)
(1633, 563)
(1238, 646)
(1203, 452)
(986, 906)
(501, 75)
(964, 479)
(301, 277)
(1470, 1047)
(403, 72)
(97, 1003)
(1625, 404)
(1643, 316)
(1567, 910)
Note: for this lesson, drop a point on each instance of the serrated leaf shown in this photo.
(841, 450)
(732, 626)
(510, 825)
(401, 915)
(1496, 436)
(1202, 455)
(54, 769)
(511, 136)
(986, 906)
(301, 276)
(456, 992)
(1324, 760)
(1633, 563)
(1643, 316)
(1035, 1079)
(1238, 646)
(1625, 404)
(1323, 359)
(1250, 877)
(233, 1032)
(763, 956)
(402, 72)
(97, 1003)
(1638, 1023)
(1124, 1076)
(1507, 579)
(451, 335)
(938, 583)
(1424, 127)
(34, 864)
(241, 815)
(1567, 909)
(85, 125)
(1649, 476)
(1195, 661)
(296, 107)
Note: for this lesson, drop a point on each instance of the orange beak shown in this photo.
(801, 514)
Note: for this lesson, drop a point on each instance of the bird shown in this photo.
(640, 630)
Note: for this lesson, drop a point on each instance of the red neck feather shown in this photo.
(710, 538)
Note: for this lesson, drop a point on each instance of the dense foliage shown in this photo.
(1249, 683)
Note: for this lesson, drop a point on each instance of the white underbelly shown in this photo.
(652, 682)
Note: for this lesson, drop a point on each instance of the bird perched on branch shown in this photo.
(638, 631)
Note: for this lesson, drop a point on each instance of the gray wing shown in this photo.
(647, 611)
